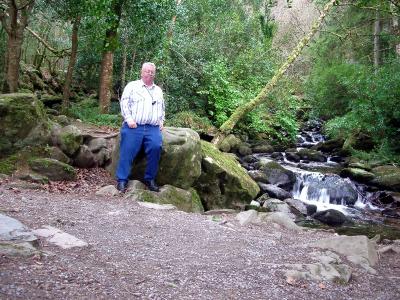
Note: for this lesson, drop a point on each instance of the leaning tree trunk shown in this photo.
(14, 20)
(71, 64)
(262, 96)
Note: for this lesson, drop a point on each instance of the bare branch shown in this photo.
(61, 53)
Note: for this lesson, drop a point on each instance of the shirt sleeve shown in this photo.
(124, 103)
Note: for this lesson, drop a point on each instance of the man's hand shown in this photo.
(131, 124)
(161, 126)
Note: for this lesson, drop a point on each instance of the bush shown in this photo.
(88, 111)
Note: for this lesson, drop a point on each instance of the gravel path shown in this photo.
(140, 253)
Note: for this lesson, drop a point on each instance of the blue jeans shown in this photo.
(132, 140)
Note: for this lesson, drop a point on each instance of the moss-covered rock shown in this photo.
(223, 182)
(53, 169)
(180, 163)
(68, 139)
(357, 174)
(387, 177)
(20, 116)
(312, 155)
(185, 200)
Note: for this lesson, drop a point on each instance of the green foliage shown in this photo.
(330, 88)
(188, 119)
(222, 97)
(374, 107)
(88, 111)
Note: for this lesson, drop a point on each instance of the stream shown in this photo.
(318, 183)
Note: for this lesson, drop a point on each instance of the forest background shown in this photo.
(213, 56)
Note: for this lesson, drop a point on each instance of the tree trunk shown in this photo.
(377, 40)
(395, 28)
(71, 64)
(105, 81)
(262, 96)
(14, 23)
(110, 44)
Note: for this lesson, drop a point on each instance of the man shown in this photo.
(143, 110)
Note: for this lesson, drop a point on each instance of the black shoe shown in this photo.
(121, 186)
(152, 186)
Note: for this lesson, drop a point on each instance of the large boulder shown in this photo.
(223, 182)
(20, 116)
(180, 163)
(387, 177)
(329, 187)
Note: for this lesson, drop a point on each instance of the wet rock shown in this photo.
(274, 191)
(311, 209)
(331, 217)
(330, 146)
(312, 155)
(263, 148)
(357, 174)
(292, 156)
(279, 176)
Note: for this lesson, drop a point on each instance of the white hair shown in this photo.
(148, 64)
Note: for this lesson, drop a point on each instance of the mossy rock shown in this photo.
(20, 115)
(53, 169)
(312, 155)
(387, 177)
(180, 163)
(357, 174)
(69, 139)
(223, 182)
(185, 200)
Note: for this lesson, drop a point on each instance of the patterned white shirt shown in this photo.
(142, 104)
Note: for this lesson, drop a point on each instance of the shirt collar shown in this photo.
(143, 84)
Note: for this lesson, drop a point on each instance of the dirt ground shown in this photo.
(141, 253)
